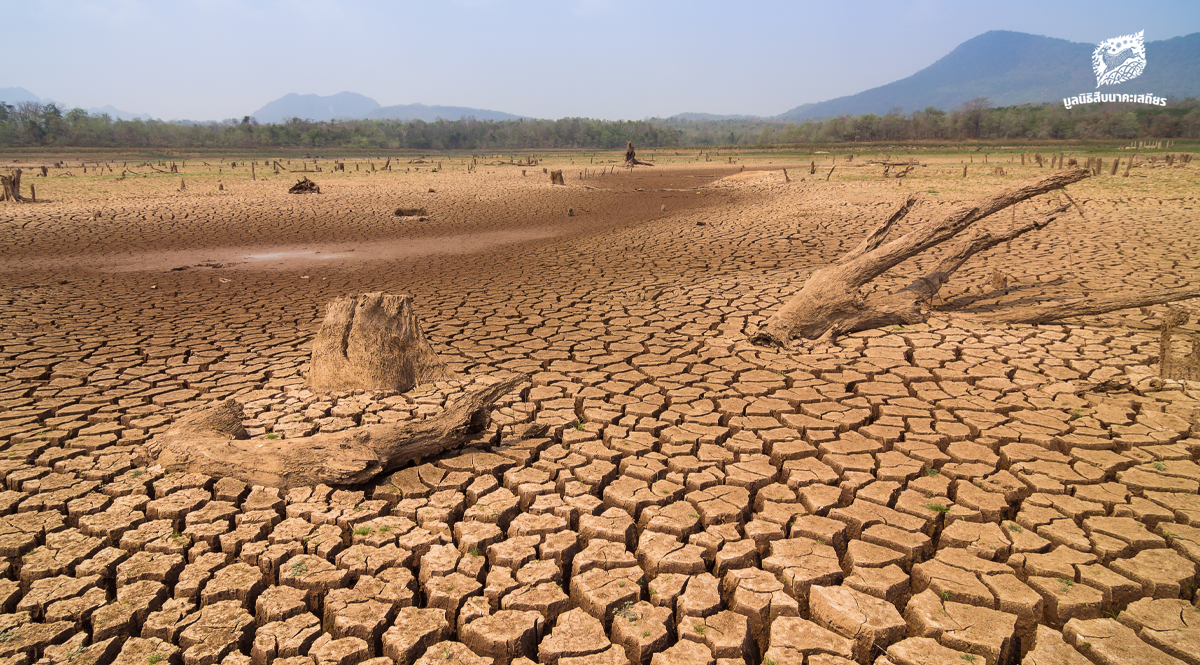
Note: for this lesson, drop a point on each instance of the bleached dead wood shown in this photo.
(368, 341)
(211, 441)
(830, 302)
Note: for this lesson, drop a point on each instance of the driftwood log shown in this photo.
(831, 302)
(212, 441)
(373, 341)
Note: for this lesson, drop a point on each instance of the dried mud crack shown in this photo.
(663, 491)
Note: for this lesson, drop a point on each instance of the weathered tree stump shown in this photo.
(556, 178)
(11, 185)
(373, 341)
(631, 156)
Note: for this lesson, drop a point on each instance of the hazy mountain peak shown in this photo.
(351, 105)
(433, 113)
(15, 95)
(689, 115)
(1012, 68)
(316, 107)
(118, 114)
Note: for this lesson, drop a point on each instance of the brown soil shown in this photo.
(936, 490)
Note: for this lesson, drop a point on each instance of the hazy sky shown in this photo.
(215, 59)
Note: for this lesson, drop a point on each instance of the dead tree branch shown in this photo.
(876, 237)
(1087, 306)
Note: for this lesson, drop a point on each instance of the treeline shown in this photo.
(975, 120)
(31, 124)
(43, 125)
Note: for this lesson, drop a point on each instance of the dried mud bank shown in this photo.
(938, 493)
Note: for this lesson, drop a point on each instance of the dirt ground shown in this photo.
(935, 493)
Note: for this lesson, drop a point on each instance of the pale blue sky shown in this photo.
(214, 59)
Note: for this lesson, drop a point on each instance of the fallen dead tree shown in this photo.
(212, 441)
(369, 341)
(831, 302)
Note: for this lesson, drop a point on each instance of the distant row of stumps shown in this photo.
(11, 190)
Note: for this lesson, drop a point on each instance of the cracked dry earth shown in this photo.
(942, 493)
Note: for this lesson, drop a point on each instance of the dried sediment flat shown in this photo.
(939, 491)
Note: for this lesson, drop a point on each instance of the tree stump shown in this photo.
(11, 187)
(631, 156)
(556, 178)
(373, 341)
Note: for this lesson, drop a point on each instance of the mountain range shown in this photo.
(1008, 68)
(15, 96)
(351, 105)
(1012, 68)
